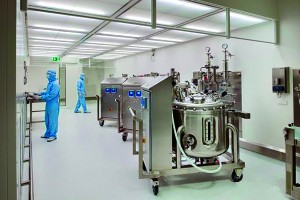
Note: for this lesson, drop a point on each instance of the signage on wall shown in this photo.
(55, 59)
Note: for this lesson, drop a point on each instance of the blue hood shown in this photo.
(82, 76)
(51, 75)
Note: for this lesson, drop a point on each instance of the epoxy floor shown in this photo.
(89, 162)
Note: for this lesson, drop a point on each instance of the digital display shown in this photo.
(107, 90)
(138, 93)
(113, 90)
(144, 103)
(131, 93)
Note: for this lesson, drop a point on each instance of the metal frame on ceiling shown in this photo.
(153, 24)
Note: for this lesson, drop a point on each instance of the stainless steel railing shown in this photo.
(27, 145)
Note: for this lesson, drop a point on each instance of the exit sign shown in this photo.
(56, 59)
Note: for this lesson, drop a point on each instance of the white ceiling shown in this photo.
(52, 34)
(116, 28)
(176, 8)
(99, 7)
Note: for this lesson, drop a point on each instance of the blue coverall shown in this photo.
(51, 95)
(81, 94)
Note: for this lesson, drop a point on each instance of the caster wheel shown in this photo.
(155, 190)
(124, 137)
(101, 122)
(155, 186)
(236, 178)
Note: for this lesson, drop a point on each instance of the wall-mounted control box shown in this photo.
(281, 79)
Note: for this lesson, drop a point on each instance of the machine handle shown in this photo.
(234, 113)
(119, 115)
(131, 111)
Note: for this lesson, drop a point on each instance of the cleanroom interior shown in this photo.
(141, 40)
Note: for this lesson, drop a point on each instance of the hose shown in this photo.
(187, 158)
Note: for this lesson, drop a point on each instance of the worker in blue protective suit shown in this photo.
(81, 95)
(51, 96)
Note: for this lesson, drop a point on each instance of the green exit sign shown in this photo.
(56, 59)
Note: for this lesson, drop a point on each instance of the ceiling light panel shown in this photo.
(136, 48)
(89, 50)
(46, 43)
(96, 46)
(55, 35)
(83, 53)
(33, 33)
(76, 56)
(109, 56)
(49, 45)
(95, 7)
(152, 44)
(216, 23)
(127, 51)
(51, 39)
(128, 29)
(177, 36)
(110, 40)
(61, 22)
(169, 12)
(206, 26)
(47, 48)
(145, 16)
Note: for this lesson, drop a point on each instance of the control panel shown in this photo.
(144, 102)
(131, 93)
(111, 90)
(138, 93)
(107, 90)
(280, 79)
(134, 93)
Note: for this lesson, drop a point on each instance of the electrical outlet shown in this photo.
(283, 102)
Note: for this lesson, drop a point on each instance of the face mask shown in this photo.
(48, 76)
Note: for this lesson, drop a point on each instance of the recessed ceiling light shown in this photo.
(60, 28)
(127, 51)
(88, 49)
(46, 41)
(144, 19)
(46, 47)
(144, 46)
(50, 46)
(83, 53)
(167, 39)
(45, 51)
(138, 48)
(93, 45)
(102, 43)
(201, 28)
(159, 42)
(54, 31)
(70, 8)
(76, 56)
(188, 4)
(113, 37)
(51, 39)
(122, 53)
(246, 17)
(120, 34)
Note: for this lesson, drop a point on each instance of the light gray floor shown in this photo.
(89, 162)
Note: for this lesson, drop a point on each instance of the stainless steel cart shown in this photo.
(132, 94)
(111, 98)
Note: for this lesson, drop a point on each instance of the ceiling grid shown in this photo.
(110, 29)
